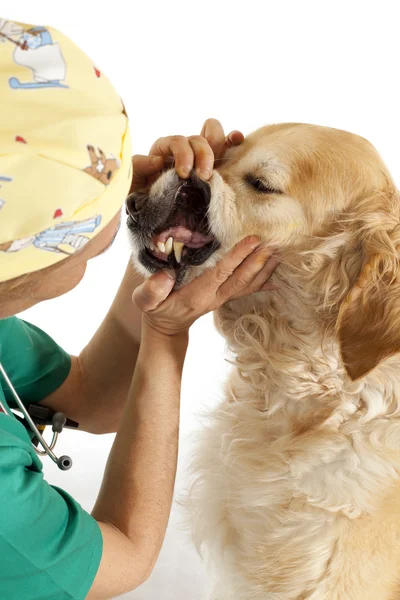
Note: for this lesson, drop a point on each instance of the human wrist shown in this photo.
(177, 341)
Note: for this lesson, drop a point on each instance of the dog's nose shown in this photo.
(134, 203)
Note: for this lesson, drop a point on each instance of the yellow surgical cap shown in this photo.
(65, 155)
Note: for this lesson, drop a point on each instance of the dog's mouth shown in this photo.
(184, 238)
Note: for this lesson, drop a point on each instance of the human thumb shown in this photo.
(154, 290)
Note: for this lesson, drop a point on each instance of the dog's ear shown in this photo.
(368, 325)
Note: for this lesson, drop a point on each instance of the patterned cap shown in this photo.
(65, 153)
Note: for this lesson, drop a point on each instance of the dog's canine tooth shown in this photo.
(178, 247)
(152, 246)
(169, 245)
(161, 246)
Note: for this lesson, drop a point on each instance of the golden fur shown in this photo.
(296, 489)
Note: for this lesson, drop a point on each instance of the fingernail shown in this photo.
(155, 160)
(170, 273)
(204, 173)
(167, 283)
(254, 243)
(263, 246)
(185, 170)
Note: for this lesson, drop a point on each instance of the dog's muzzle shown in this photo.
(172, 231)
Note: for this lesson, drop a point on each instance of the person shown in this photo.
(56, 215)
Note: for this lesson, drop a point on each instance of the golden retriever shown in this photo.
(296, 489)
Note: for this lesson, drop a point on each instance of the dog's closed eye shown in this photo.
(260, 185)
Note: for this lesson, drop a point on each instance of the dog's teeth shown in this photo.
(178, 247)
(161, 247)
(152, 246)
(168, 246)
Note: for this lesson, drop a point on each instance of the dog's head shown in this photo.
(321, 195)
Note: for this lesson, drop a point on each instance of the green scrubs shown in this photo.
(50, 548)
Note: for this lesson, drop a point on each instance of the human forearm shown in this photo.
(108, 361)
(137, 488)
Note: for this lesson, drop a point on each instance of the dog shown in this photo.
(295, 493)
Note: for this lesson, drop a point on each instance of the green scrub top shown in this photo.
(50, 548)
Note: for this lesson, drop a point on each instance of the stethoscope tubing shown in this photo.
(64, 462)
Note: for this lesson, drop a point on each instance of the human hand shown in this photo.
(184, 153)
(244, 270)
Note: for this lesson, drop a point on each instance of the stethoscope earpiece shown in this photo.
(64, 463)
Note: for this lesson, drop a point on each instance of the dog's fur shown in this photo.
(296, 491)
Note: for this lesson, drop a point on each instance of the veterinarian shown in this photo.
(65, 170)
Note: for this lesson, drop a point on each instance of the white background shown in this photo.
(247, 63)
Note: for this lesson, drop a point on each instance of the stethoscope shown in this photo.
(43, 416)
